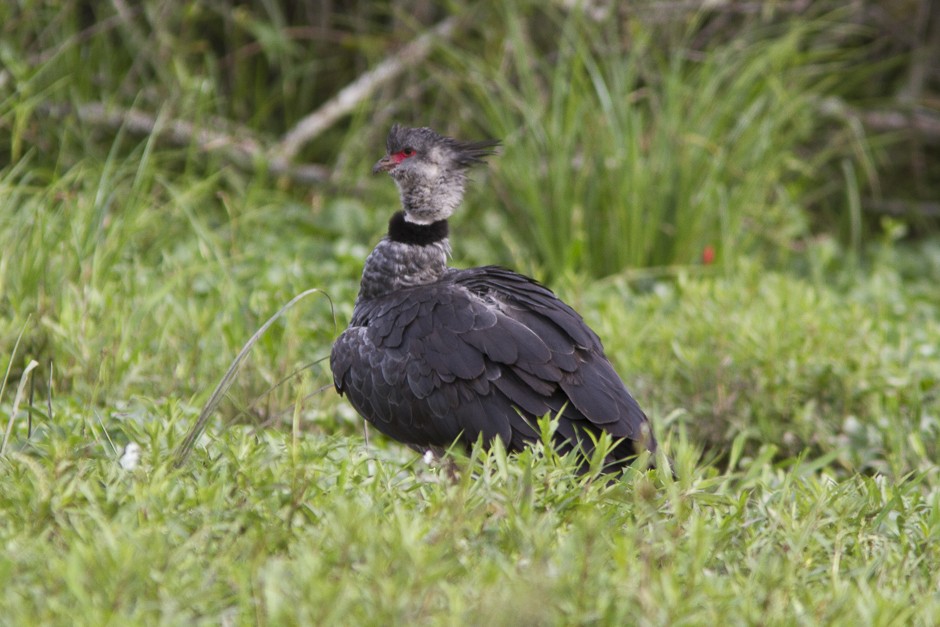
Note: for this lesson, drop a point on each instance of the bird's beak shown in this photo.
(384, 164)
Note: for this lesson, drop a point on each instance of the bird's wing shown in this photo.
(482, 353)
(404, 365)
(577, 364)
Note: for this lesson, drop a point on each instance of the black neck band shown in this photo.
(400, 230)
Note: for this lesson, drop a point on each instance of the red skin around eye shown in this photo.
(400, 156)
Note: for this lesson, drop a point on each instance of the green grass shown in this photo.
(795, 382)
(850, 371)
(309, 524)
(630, 143)
(264, 528)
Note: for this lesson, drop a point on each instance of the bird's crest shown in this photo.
(466, 153)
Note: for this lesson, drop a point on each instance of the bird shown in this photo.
(436, 356)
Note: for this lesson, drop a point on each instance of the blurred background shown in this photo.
(737, 194)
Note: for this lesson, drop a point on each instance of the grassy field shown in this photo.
(794, 380)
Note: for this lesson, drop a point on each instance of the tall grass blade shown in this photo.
(186, 447)
(16, 402)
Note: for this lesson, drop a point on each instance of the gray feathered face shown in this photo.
(430, 170)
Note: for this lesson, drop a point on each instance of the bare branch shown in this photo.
(916, 119)
(350, 96)
(237, 143)
(921, 121)
(924, 209)
(667, 9)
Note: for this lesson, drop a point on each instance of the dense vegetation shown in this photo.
(742, 204)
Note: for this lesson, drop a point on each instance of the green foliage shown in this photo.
(630, 141)
(259, 64)
(262, 527)
(848, 371)
(794, 382)
(617, 156)
(135, 283)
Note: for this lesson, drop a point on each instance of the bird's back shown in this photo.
(483, 351)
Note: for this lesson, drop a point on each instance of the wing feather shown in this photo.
(483, 351)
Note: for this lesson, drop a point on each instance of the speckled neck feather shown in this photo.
(395, 265)
(429, 192)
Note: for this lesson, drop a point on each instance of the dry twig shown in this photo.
(240, 144)
(237, 143)
(919, 120)
(907, 208)
(350, 96)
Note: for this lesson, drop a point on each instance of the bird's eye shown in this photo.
(403, 154)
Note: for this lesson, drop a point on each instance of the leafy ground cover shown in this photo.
(264, 528)
(812, 496)
(794, 378)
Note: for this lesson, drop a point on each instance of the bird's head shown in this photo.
(430, 170)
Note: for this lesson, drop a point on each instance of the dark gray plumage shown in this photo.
(435, 355)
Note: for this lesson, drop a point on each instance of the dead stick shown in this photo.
(350, 96)
(905, 118)
(238, 144)
(894, 207)
(921, 121)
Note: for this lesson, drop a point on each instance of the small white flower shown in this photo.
(130, 457)
(428, 457)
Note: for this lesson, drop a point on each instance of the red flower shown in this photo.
(708, 255)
